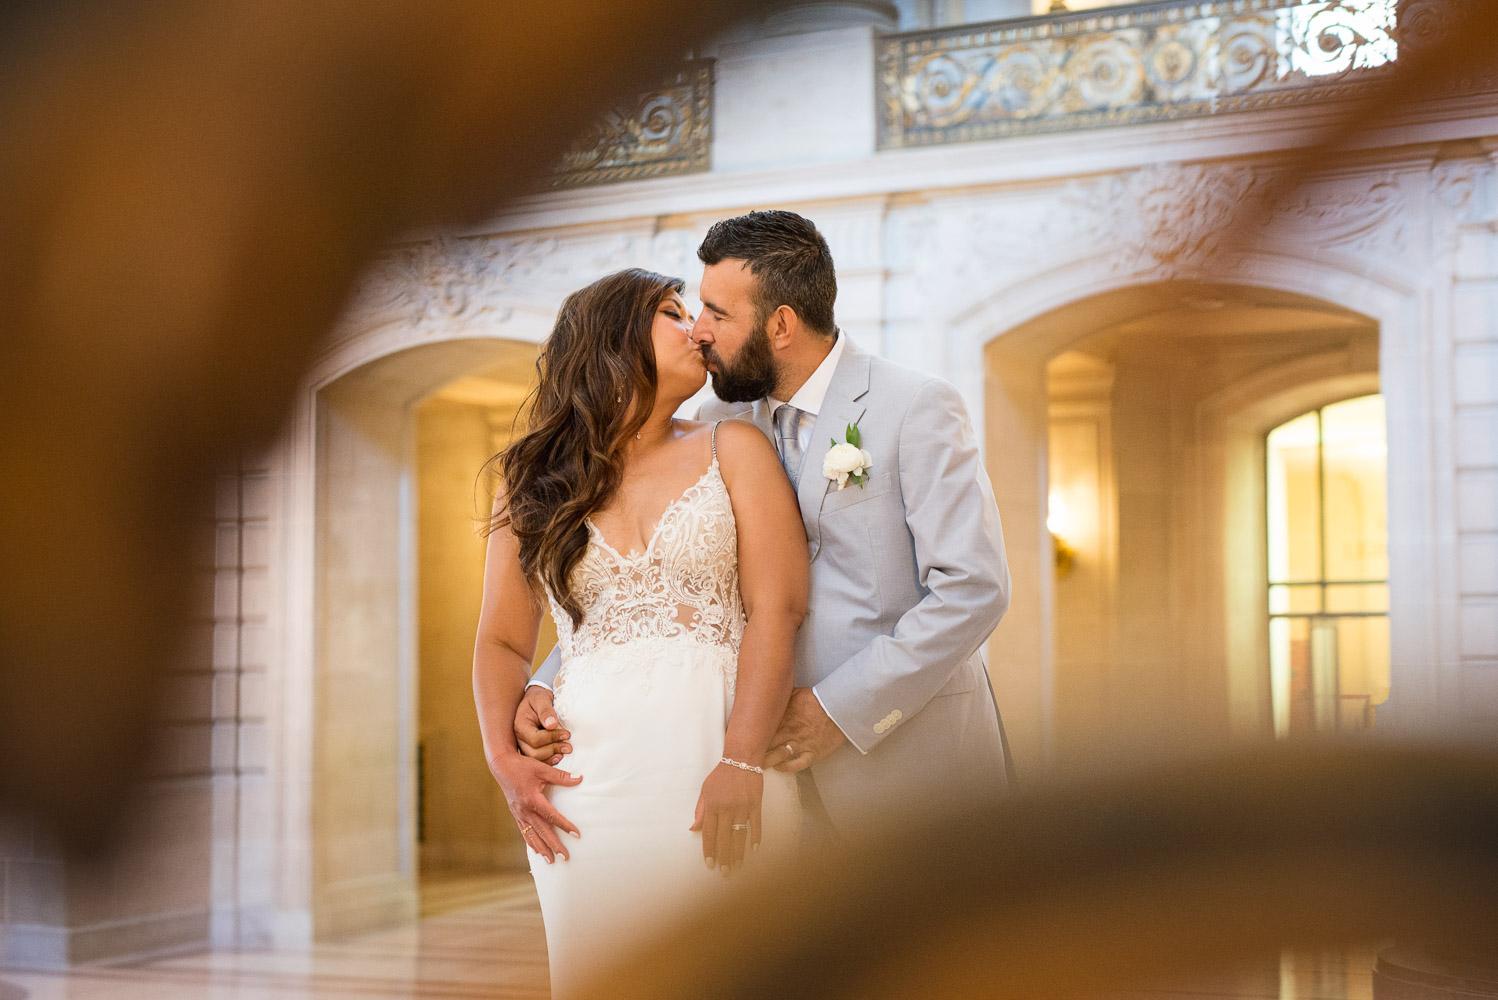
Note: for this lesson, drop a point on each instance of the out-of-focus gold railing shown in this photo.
(1145, 62)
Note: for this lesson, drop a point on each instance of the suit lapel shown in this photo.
(761, 416)
(841, 407)
(756, 413)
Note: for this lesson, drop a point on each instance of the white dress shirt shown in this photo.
(810, 397)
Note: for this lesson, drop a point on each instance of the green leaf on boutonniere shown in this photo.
(854, 438)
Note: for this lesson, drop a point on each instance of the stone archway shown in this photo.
(1045, 316)
(349, 723)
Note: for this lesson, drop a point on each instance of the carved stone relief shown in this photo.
(1160, 222)
(1155, 223)
(1370, 217)
(482, 282)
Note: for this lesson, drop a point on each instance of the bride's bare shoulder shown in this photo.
(742, 448)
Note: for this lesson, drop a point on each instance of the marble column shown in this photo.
(996, 10)
(801, 18)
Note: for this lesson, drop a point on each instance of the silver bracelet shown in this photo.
(740, 765)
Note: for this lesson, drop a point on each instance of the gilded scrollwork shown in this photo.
(1177, 59)
(661, 133)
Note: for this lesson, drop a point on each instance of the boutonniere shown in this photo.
(848, 462)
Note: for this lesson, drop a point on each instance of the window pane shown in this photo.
(1290, 684)
(1356, 460)
(1341, 597)
(1293, 495)
(1363, 658)
(1289, 600)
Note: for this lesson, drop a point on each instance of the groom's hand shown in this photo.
(806, 734)
(538, 732)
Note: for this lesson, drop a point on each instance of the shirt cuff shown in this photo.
(851, 742)
(533, 683)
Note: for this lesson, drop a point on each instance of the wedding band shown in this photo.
(527, 830)
(739, 827)
(789, 750)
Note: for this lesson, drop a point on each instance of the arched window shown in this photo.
(1327, 524)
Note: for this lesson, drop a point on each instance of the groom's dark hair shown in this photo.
(789, 258)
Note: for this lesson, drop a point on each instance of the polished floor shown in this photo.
(482, 939)
(478, 939)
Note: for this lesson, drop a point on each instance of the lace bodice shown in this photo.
(685, 582)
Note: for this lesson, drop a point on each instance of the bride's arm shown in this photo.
(773, 581)
(502, 651)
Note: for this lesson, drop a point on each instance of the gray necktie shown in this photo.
(787, 421)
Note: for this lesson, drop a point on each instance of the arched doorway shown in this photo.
(1143, 412)
(398, 780)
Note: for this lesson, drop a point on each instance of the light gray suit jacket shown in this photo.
(908, 580)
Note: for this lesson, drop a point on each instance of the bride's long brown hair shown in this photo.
(597, 363)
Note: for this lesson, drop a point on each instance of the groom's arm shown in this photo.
(538, 731)
(959, 549)
(546, 674)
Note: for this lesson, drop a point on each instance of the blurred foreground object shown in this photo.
(1117, 884)
(187, 192)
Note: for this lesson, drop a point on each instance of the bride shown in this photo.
(673, 560)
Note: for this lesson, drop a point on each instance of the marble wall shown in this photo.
(171, 882)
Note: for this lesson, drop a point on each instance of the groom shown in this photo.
(892, 707)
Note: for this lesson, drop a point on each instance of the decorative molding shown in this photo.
(1455, 183)
(1461, 200)
(484, 283)
(1169, 214)
(445, 280)
(662, 133)
(1160, 222)
(1147, 62)
(1370, 218)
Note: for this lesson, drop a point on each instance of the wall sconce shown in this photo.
(1056, 521)
(1066, 556)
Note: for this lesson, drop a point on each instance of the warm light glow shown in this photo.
(1057, 518)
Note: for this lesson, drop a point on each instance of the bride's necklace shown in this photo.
(666, 429)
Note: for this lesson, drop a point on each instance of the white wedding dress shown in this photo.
(645, 688)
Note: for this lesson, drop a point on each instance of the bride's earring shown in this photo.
(619, 398)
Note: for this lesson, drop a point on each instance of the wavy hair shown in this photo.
(596, 382)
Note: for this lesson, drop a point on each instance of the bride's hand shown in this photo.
(728, 814)
(524, 783)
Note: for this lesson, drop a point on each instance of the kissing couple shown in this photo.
(771, 619)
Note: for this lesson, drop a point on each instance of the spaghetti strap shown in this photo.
(713, 439)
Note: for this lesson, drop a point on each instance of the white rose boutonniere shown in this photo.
(848, 462)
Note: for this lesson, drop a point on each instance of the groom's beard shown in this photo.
(751, 374)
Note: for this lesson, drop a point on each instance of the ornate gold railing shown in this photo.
(1144, 62)
(663, 132)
